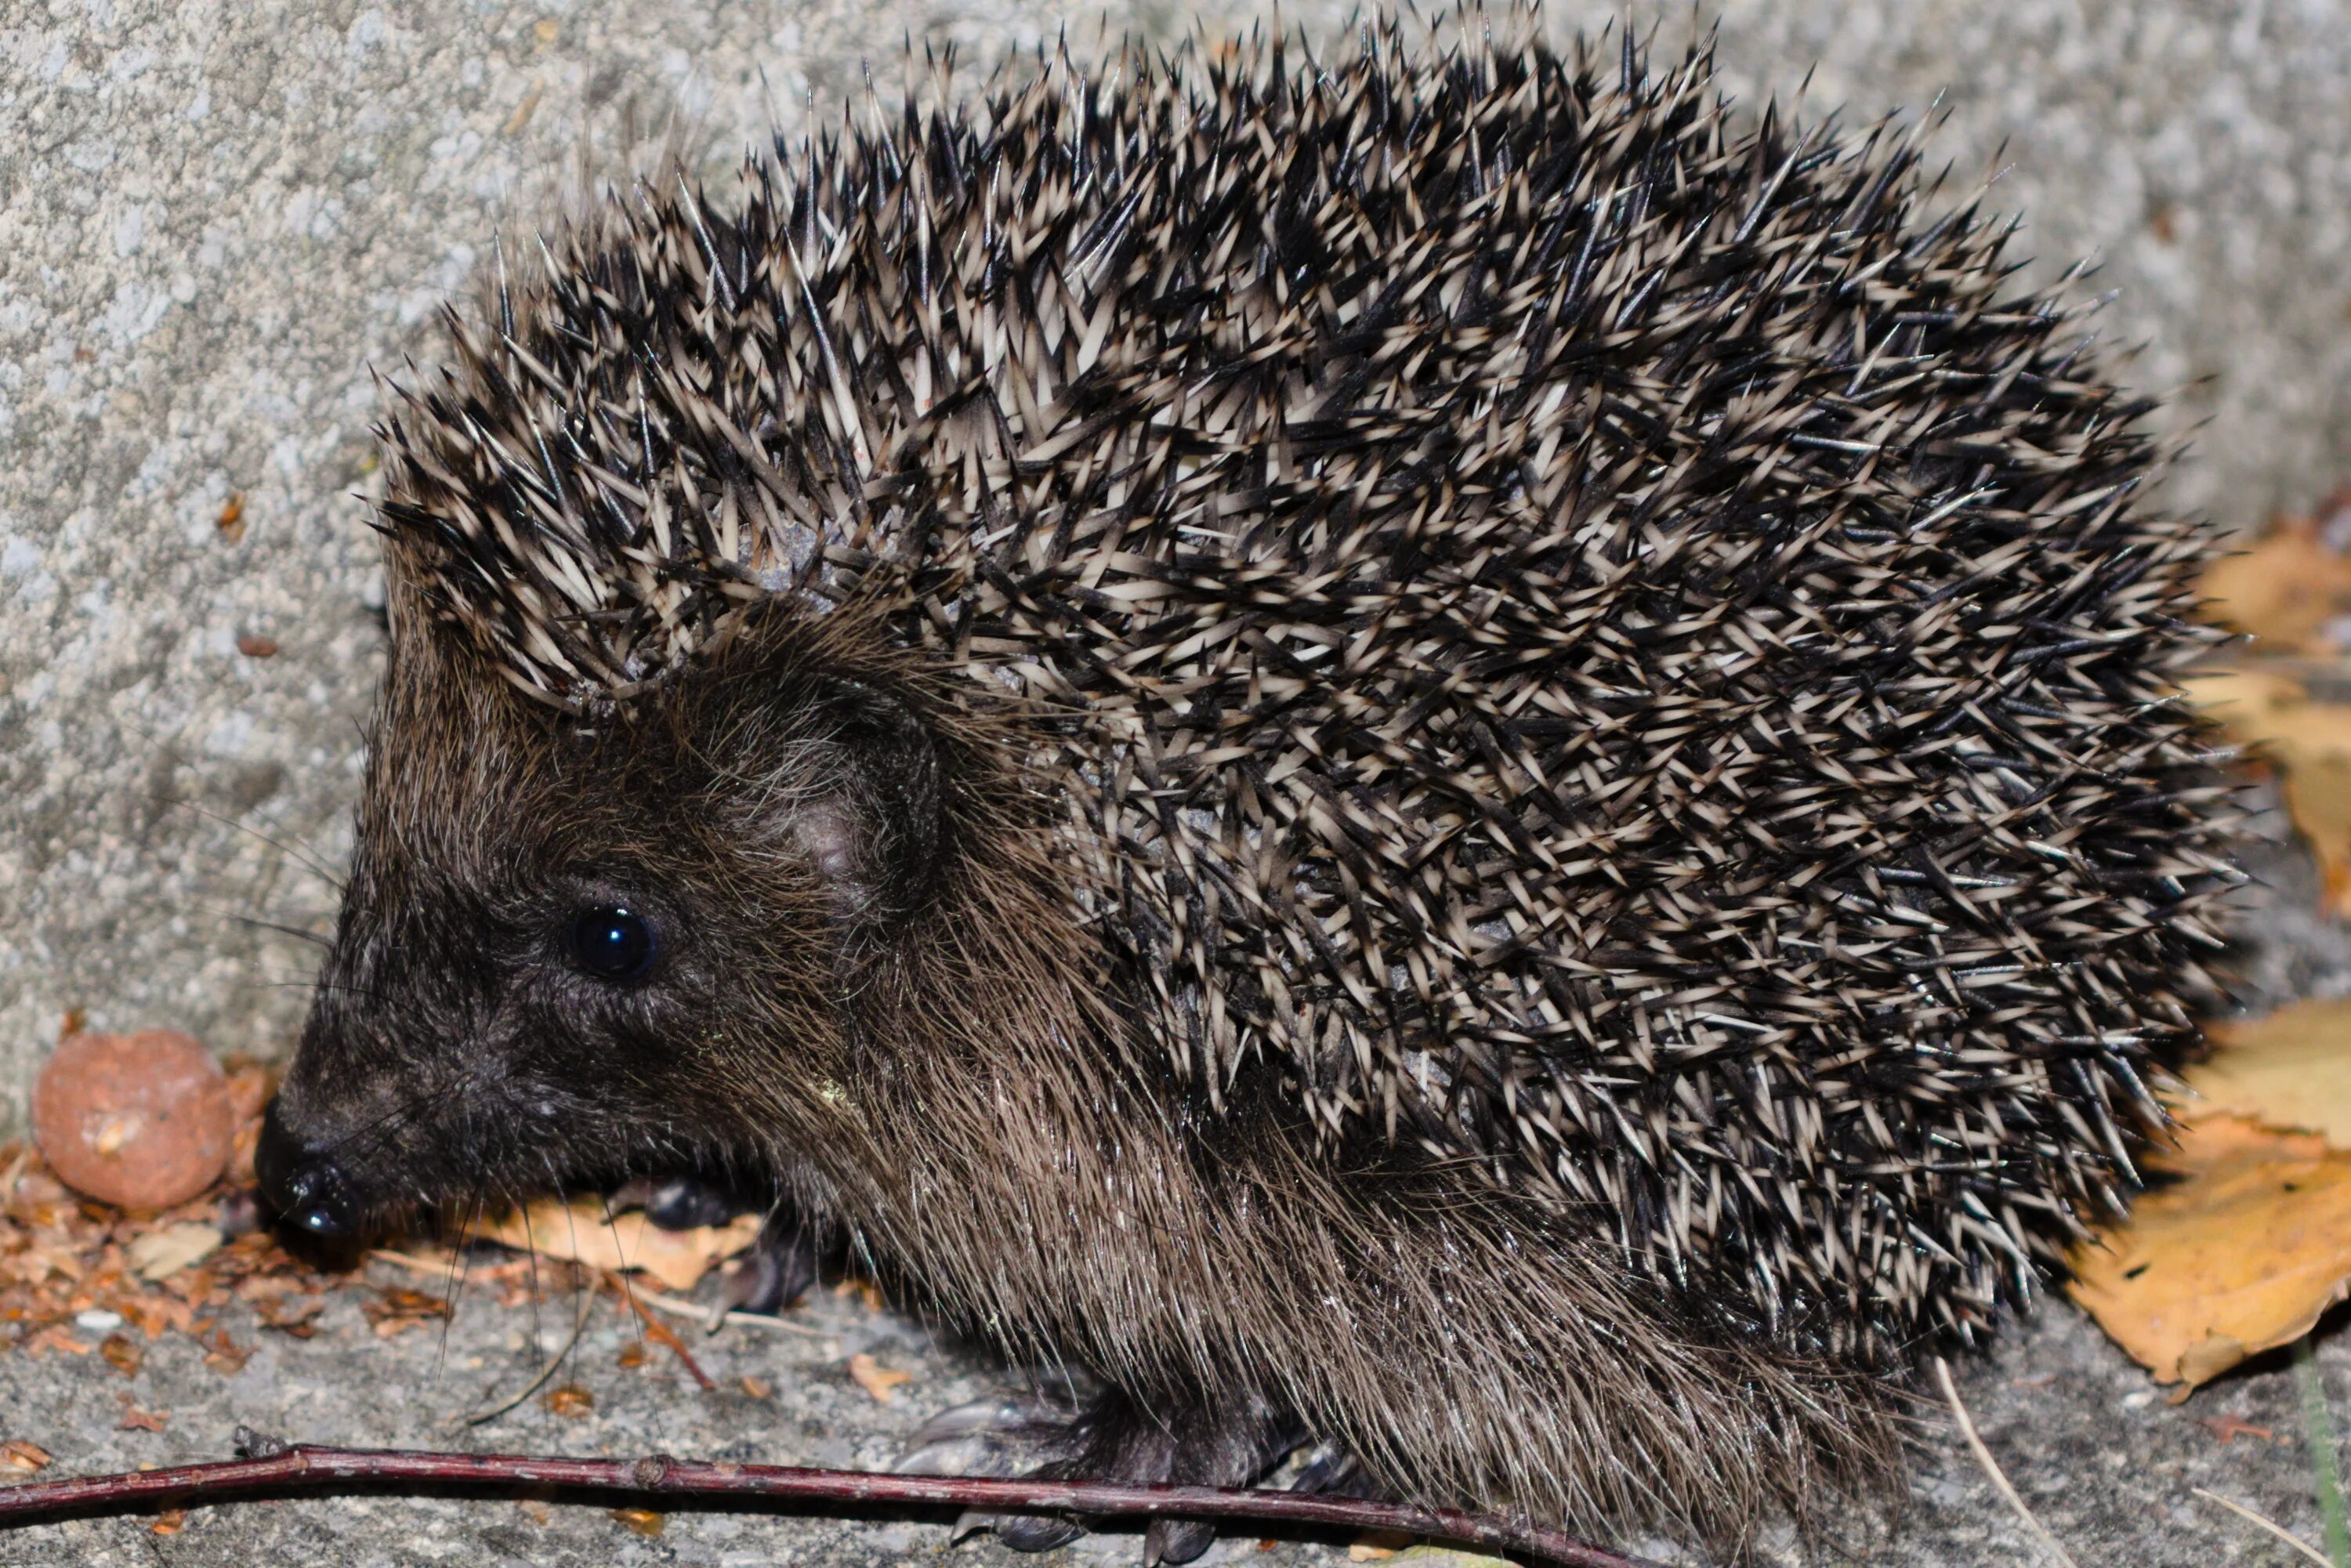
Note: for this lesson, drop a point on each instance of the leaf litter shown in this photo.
(68, 1263)
(2247, 1242)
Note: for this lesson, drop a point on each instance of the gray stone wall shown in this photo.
(217, 220)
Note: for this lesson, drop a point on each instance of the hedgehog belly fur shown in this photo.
(1592, 662)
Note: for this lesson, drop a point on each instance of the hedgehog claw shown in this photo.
(994, 1438)
(1176, 1541)
(1111, 1439)
(1326, 1470)
(780, 1266)
(1028, 1531)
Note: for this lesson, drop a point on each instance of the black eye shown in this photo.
(612, 943)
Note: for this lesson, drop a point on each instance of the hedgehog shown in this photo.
(1440, 752)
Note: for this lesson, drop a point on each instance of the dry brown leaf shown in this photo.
(864, 1291)
(134, 1420)
(297, 1319)
(122, 1353)
(18, 1455)
(2285, 590)
(641, 1521)
(2228, 1426)
(224, 1354)
(2290, 1068)
(580, 1232)
(569, 1400)
(399, 1309)
(2310, 742)
(2241, 1255)
(875, 1378)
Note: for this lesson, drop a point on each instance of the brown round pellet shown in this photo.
(140, 1120)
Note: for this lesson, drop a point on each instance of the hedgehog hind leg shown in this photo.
(1115, 1437)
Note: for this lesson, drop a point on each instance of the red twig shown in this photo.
(275, 1469)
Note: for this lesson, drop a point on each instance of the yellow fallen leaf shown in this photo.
(2311, 744)
(875, 1378)
(2240, 1255)
(2245, 698)
(2285, 590)
(2290, 1069)
(581, 1232)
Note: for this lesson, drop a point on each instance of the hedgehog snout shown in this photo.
(301, 1182)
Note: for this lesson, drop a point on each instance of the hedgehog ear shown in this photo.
(875, 836)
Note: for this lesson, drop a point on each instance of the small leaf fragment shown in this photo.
(19, 1455)
(2310, 742)
(874, 1378)
(134, 1420)
(2285, 589)
(2291, 1067)
(641, 1521)
(160, 1254)
(569, 1400)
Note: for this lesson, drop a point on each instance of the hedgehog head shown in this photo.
(573, 949)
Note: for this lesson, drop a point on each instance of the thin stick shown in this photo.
(279, 1470)
(1991, 1466)
(677, 1306)
(2296, 1541)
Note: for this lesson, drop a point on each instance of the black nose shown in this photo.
(301, 1183)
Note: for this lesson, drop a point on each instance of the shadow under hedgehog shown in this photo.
(1429, 751)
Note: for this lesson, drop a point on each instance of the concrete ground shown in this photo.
(2103, 1460)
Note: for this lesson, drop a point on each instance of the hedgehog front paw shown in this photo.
(1116, 1438)
(782, 1263)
